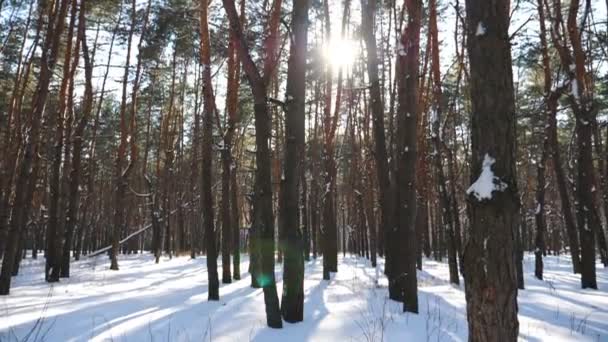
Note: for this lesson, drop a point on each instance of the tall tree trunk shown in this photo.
(493, 204)
(236, 221)
(597, 144)
(292, 302)
(121, 173)
(573, 60)
(604, 179)
(84, 217)
(55, 229)
(9, 151)
(436, 136)
(194, 166)
(403, 268)
(75, 172)
(229, 231)
(387, 226)
(263, 221)
(314, 182)
(236, 78)
(562, 185)
(539, 241)
(580, 98)
(56, 25)
(519, 249)
(227, 224)
(207, 156)
(330, 229)
(304, 207)
(560, 178)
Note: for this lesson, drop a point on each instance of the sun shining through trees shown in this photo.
(340, 52)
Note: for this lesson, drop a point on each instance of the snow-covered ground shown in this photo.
(168, 302)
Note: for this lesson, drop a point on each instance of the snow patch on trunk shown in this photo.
(487, 183)
(481, 29)
(574, 88)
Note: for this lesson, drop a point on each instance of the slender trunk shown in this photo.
(539, 241)
(207, 155)
(228, 163)
(519, 250)
(74, 179)
(562, 186)
(314, 170)
(436, 136)
(194, 164)
(329, 231)
(597, 144)
(573, 59)
(121, 173)
(380, 153)
(169, 144)
(227, 224)
(55, 229)
(605, 179)
(236, 222)
(304, 216)
(236, 218)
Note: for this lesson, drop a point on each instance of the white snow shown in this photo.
(574, 89)
(145, 301)
(481, 29)
(487, 183)
(433, 116)
(401, 49)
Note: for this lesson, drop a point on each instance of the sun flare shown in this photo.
(340, 52)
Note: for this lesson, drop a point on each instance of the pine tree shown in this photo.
(493, 202)
(292, 303)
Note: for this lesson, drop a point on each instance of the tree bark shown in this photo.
(387, 226)
(122, 173)
(263, 221)
(55, 229)
(573, 60)
(489, 257)
(436, 137)
(330, 229)
(403, 268)
(539, 241)
(56, 25)
(551, 103)
(230, 227)
(292, 303)
(74, 179)
(207, 156)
